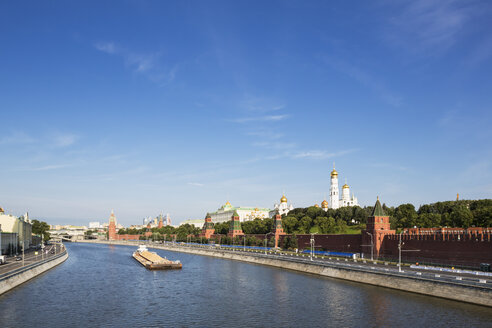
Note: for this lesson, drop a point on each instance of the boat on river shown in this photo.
(152, 261)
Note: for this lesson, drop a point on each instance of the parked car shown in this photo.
(18, 258)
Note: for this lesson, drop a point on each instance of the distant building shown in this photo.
(335, 201)
(21, 226)
(198, 223)
(95, 225)
(282, 208)
(225, 212)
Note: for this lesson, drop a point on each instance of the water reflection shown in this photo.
(103, 286)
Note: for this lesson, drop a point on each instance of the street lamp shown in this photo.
(400, 244)
(312, 245)
(372, 246)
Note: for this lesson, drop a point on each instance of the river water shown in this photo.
(103, 286)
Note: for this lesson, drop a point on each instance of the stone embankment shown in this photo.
(415, 284)
(18, 276)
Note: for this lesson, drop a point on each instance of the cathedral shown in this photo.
(335, 200)
(282, 208)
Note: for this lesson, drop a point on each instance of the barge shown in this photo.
(152, 261)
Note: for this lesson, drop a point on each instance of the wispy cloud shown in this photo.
(267, 134)
(481, 53)
(390, 166)
(107, 47)
(322, 154)
(266, 118)
(49, 167)
(16, 138)
(149, 64)
(64, 140)
(430, 26)
(366, 79)
(275, 145)
(196, 184)
(260, 104)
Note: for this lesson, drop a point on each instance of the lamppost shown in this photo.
(312, 245)
(400, 244)
(244, 239)
(372, 246)
(266, 235)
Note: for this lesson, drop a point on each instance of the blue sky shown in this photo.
(157, 106)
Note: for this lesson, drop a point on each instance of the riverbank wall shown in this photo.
(23, 274)
(419, 285)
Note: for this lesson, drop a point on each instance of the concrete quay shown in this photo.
(476, 291)
(20, 275)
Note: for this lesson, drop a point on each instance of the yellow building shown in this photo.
(21, 226)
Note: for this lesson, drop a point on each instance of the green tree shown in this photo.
(289, 224)
(41, 228)
(305, 224)
(461, 216)
(290, 242)
(429, 220)
(482, 217)
(222, 228)
(406, 216)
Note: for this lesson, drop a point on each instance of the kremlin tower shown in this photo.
(277, 228)
(235, 227)
(112, 227)
(208, 227)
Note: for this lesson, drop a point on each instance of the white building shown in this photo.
(335, 200)
(95, 225)
(282, 208)
(20, 226)
(224, 213)
(198, 223)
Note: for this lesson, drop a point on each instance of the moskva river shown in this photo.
(103, 286)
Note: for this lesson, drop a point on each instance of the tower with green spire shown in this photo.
(208, 227)
(235, 227)
(378, 225)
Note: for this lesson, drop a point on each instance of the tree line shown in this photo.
(454, 214)
(462, 213)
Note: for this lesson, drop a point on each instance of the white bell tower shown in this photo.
(334, 197)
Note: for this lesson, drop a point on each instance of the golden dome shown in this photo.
(334, 173)
(228, 204)
(1, 210)
(316, 205)
(345, 186)
(324, 204)
(283, 199)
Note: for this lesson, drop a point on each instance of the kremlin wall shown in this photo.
(446, 246)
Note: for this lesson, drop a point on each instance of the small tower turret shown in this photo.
(235, 227)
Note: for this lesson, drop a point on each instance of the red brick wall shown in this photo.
(128, 237)
(468, 250)
(336, 243)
